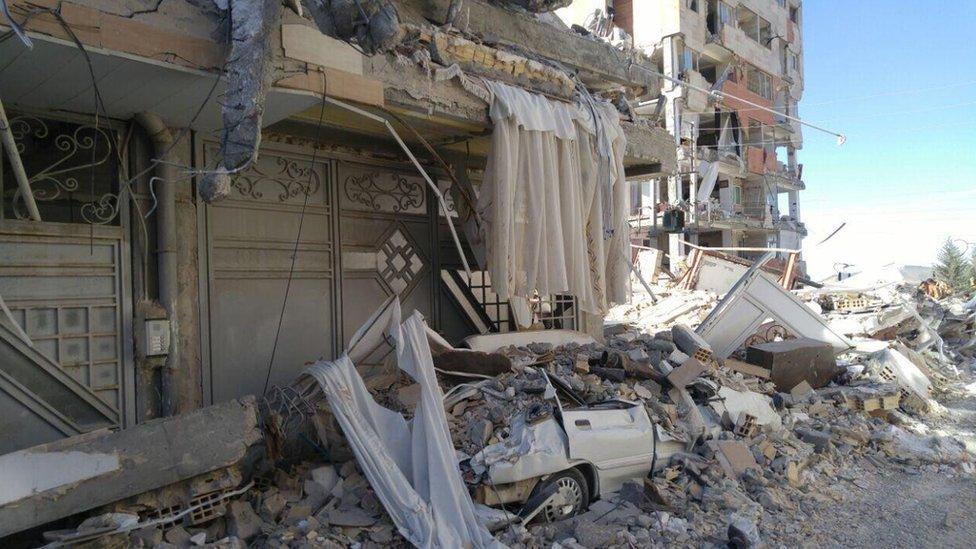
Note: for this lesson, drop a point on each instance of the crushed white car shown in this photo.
(559, 458)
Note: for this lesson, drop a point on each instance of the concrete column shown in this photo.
(727, 238)
(794, 197)
(672, 94)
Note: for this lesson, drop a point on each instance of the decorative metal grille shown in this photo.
(71, 169)
(493, 306)
(552, 312)
(555, 312)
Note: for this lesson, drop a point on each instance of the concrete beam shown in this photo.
(498, 25)
(68, 476)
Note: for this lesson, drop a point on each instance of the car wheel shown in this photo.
(572, 495)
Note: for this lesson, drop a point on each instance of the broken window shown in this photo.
(754, 26)
(72, 168)
(725, 13)
(551, 312)
(759, 83)
(765, 32)
(495, 308)
(795, 14)
(794, 61)
(748, 21)
(554, 312)
(690, 59)
(692, 5)
(708, 70)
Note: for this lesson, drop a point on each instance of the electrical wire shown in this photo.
(125, 186)
(831, 235)
(298, 237)
(884, 94)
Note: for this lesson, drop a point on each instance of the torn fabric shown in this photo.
(411, 465)
(554, 199)
(708, 174)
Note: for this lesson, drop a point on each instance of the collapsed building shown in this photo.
(234, 200)
(734, 79)
(332, 273)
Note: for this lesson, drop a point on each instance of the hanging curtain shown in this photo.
(554, 199)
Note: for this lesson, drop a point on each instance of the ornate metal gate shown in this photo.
(251, 238)
(66, 283)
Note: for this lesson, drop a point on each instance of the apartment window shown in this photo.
(794, 61)
(782, 3)
(692, 5)
(759, 83)
(736, 194)
(765, 32)
(795, 14)
(754, 27)
(748, 21)
(726, 14)
(73, 167)
(690, 59)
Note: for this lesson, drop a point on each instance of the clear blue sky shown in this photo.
(898, 77)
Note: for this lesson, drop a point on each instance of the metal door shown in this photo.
(67, 366)
(387, 242)
(251, 239)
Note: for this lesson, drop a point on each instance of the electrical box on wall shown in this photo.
(156, 338)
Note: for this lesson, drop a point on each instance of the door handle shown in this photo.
(583, 423)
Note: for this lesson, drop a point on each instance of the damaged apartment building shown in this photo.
(201, 197)
(734, 77)
(363, 273)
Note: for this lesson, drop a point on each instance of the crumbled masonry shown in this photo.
(740, 461)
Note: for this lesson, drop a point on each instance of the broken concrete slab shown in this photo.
(152, 455)
(492, 342)
(792, 361)
(686, 373)
(242, 521)
(734, 403)
(734, 457)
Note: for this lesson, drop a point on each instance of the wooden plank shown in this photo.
(304, 43)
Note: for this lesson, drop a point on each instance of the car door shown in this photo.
(616, 437)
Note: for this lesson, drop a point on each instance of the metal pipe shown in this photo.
(166, 248)
(416, 163)
(17, 166)
(741, 249)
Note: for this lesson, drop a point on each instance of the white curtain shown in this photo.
(554, 199)
(411, 465)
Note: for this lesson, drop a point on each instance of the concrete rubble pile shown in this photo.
(669, 441)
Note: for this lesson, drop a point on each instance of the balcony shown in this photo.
(790, 179)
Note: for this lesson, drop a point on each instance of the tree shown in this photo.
(972, 269)
(952, 267)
